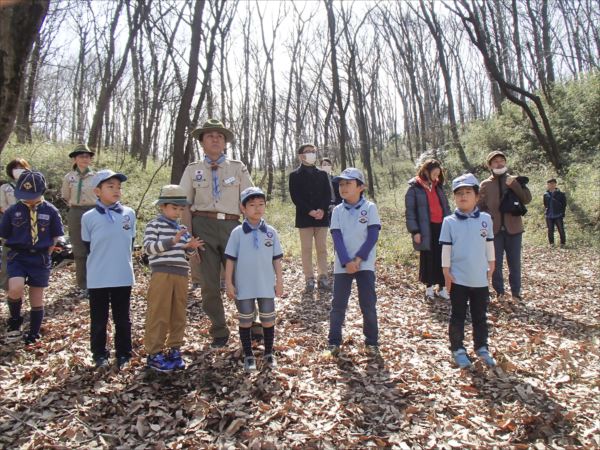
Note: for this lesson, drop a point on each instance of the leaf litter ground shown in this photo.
(543, 394)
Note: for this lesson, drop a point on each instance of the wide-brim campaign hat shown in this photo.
(105, 174)
(251, 192)
(213, 125)
(172, 194)
(466, 180)
(351, 173)
(81, 149)
(30, 185)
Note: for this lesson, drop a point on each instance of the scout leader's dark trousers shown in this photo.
(477, 298)
(560, 224)
(101, 299)
(215, 234)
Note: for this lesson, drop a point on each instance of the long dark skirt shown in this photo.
(430, 262)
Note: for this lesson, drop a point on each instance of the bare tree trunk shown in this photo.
(23, 123)
(436, 30)
(337, 92)
(478, 36)
(20, 24)
(109, 80)
(182, 122)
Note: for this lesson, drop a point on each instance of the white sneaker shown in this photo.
(429, 292)
(443, 293)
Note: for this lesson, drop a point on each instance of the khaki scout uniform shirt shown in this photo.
(69, 187)
(7, 196)
(197, 182)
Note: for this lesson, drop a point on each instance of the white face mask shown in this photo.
(309, 158)
(500, 171)
(326, 169)
(17, 173)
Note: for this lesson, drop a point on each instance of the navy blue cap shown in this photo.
(30, 185)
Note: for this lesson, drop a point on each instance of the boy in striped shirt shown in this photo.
(168, 246)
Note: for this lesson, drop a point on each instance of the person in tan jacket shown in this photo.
(508, 228)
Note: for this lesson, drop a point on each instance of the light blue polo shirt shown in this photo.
(254, 250)
(109, 263)
(468, 236)
(353, 222)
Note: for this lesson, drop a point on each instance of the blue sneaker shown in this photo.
(461, 359)
(174, 356)
(485, 356)
(159, 362)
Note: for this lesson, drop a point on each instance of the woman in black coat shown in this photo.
(426, 207)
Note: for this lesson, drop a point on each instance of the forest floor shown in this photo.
(545, 392)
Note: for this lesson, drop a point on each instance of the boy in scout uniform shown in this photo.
(213, 187)
(78, 191)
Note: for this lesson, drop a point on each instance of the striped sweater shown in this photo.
(164, 256)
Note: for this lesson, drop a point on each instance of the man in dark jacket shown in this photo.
(310, 192)
(555, 203)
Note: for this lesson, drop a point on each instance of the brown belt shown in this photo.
(216, 215)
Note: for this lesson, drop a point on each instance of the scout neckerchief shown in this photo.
(462, 216)
(103, 209)
(80, 183)
(247, 227)
(214, 165)
(353, 207)
(33, 220)
(173, 223)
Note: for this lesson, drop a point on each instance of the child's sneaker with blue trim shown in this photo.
(159, 362)
(461, 359)
(484, 355)
(174, 356)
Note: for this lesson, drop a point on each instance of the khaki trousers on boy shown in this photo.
(319, 234)
(79, 249)
(166, 313)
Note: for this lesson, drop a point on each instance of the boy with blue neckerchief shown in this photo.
(254, 253)
(468, 260)
(108, 231)
(30, 228)
(355, 227)
(168, 246)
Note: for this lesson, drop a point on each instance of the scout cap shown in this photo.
(493, 154)
(173, 194)
(351, 173)
(468, 179)
(213, 125)
(105, 174)
(251, 192)
(80, 149)
(30, 185)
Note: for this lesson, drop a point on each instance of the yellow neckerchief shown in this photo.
(80, 184)
(33, 219)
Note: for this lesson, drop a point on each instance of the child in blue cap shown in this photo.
(468, 260)
(108, 231)
(355, 226)
(254, 253)
(30, 228)
(168, 246)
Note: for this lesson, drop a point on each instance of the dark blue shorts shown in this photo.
(34, 267)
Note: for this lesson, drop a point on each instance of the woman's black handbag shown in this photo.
(510, 203)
